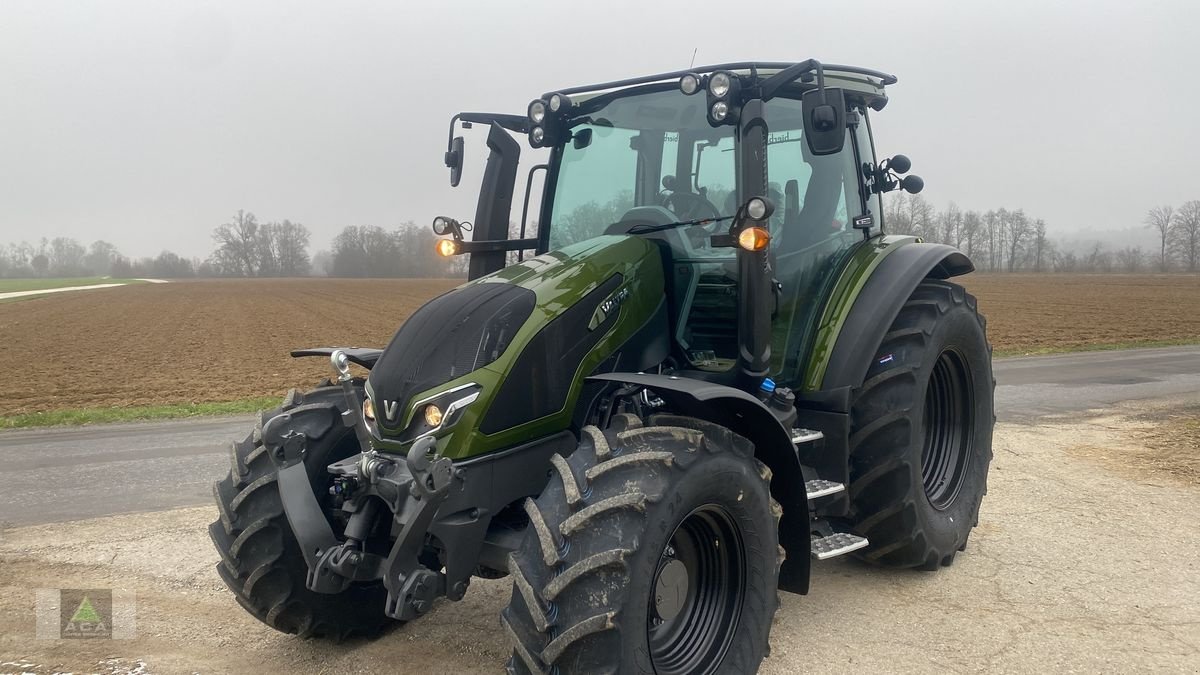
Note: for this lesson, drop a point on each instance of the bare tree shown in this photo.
(67, 257)
(238, 246)
(1185, 235)
(1039, 245)
(1018, 231)
(1130, 259)
(1160, 219)
(972, 225)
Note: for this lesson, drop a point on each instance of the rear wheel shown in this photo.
(921, 431)
(261, 561)
(653, 549)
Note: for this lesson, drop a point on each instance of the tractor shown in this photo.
(702, 367)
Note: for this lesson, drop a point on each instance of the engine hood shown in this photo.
(504, 357)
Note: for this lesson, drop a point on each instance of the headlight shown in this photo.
(537, 135)
(447, 247)
(537, 111)
(719, 84)
(559, 102)
(689, 84)
(756, 208)
(720, 111)
(368, 410)
(441, 226)
(433, 415)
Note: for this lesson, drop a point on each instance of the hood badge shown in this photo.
(611, 303)
(391, 409)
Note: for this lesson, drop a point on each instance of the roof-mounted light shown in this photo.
(720, 84)
(537, 111)
(559, 103)
(689, 84)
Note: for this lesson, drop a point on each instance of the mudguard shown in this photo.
(880, 300)
(746, 415)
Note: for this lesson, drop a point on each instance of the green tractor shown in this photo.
(705, 367)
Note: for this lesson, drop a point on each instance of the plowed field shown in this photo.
(223, 340)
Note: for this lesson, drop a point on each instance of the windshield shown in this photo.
(654, 150)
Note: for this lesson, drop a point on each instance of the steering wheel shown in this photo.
(690, 206)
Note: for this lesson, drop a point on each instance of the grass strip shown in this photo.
(12, 285)
(1098, 347)
(81, 416)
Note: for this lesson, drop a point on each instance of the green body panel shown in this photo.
(854, 275)
(559, 279)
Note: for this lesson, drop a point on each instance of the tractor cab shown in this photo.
(678, 158)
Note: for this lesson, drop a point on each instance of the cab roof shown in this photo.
(854, 78)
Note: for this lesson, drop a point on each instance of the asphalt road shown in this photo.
(61, 474)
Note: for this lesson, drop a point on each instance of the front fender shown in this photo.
(746, 415)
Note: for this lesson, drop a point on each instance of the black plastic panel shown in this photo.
(452, 335)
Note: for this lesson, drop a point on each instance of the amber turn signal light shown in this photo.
(754, 238)
(447, 247)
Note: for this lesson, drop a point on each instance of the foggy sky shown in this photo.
(149, 123)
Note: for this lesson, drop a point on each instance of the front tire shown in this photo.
(652, 550)
(261, 561)
(921, 431)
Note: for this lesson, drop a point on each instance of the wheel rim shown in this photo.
(696, 594)
(948, 429)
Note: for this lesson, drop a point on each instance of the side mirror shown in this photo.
(824, 120)
(898, 163)
(912, 184)
(454, 160)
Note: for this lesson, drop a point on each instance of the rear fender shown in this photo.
(746, 415)
(880, 300)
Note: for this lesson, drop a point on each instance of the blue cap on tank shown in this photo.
(768, 385)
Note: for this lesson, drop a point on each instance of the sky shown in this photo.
(148, 123)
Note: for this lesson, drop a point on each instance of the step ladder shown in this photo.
(818, 488)
(838, 543)
(802, 436)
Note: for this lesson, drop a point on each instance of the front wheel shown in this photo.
(652, 550)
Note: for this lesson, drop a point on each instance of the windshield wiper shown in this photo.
(646, 229)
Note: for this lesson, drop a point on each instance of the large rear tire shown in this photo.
(652, 550)
(921, 431)
(261, 561)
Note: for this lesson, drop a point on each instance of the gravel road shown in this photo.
(1081, 563)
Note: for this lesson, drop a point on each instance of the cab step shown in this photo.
(839, 543)
(802, 436)
(822, 488)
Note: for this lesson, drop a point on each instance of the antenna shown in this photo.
(693, 63)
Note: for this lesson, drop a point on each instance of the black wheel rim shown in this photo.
(696, 594)
(948, 429)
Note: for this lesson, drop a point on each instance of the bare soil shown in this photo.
(207, 341)
(191, 342)
(1030, 313)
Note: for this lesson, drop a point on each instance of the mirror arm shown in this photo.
(525, 208)
(788, 75)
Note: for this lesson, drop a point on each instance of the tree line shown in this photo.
(997, 240)
(1010, 240)
(246, 247)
